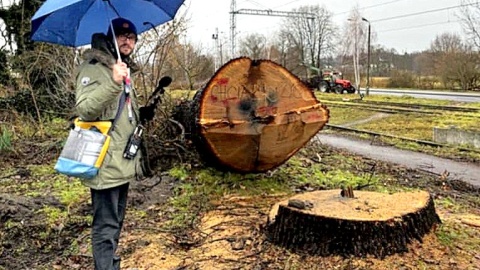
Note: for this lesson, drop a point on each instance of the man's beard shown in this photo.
(125, 55)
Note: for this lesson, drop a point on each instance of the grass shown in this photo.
(43, 182)
(198, 188)
(451, 233)
(417, 126)
(6, 138)
(342, 115)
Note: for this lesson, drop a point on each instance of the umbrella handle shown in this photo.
(113, 31)
(115, 41)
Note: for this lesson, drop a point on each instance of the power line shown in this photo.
(256, 3)
(372, 6)
(291, 2)
(421, 12)
(381, 4)
(417, 26)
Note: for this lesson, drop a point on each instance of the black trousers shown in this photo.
(108, 214)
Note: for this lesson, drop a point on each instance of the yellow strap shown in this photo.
(103, 126)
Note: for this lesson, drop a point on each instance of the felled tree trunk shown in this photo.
(325, 223)
(252, 116)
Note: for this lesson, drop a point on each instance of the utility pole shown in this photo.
(368, 58)
(215, 37)
(233, 27)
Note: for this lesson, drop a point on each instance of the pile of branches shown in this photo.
(168, 142)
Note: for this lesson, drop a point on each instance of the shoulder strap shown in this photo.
(121, 104)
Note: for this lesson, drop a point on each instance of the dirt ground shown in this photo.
(231, 234)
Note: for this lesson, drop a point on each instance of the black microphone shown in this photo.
(160, 89)
(162, 83)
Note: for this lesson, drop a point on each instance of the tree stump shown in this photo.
(252, 116)
(371, 223)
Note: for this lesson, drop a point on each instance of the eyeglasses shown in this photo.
(124, 37)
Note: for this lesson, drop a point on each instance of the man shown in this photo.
(100, 95)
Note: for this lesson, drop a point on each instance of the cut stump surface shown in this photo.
(371, 223)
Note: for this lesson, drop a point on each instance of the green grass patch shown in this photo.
(344, 115)
(420, 126)
(180, 94)
(452, 234)
(199, 187)
(45, 181)
(463, 121)
(412, 125)
(57, 127)
(6, 138)
(62, 196)
(390, 98)
(54, 216)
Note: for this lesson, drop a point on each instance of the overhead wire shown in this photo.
(394, 17)
(416, 26)
(421, 12)
(286, 4)
(256, 3)
(417, 14)
(372, 6)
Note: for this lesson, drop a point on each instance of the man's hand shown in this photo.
(120, 71)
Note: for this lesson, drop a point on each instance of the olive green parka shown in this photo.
(97, 98)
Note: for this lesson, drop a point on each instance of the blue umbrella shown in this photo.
(72, 22)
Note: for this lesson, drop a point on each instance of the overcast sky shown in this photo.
(419, 23)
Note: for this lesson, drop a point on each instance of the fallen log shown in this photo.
(252, 116)
(326, 223)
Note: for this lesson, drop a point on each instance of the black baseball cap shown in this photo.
(122, 26)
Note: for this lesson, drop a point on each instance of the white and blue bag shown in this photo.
(85, 149)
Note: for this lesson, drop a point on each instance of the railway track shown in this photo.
(397, 107)
(384, 135)
(379, 135)
(401, 108)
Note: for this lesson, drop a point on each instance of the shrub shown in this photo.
(401, 79)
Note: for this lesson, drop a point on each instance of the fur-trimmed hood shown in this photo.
(102, 57)
(107, 59)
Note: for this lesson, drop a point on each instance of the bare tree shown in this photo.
(470, 18)
(191, 64)
(285, 52)
(254, 46)
(152, 53)
(313, 38)
(354, 42)
(164, 51)
(280, 48)
(454, 61)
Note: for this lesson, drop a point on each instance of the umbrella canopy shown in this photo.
(72, 22)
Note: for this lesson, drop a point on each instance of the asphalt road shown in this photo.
(444, 95)
(467, 172)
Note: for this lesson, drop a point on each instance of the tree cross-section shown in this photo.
(252, 116)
